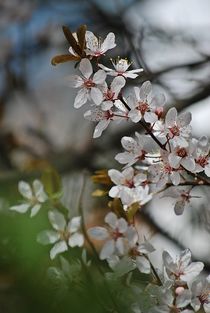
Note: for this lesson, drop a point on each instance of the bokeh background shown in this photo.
(39, 127)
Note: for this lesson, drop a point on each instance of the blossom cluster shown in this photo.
(165, 159)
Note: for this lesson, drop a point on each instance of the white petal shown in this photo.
(183, 299)
(109, 42)
(122, 225)
(114, 192)
(174, 160)
(75, 81)
(100, 127)
(48, 236)
(129, 143)
(99, 77)
(120, 245)
(111, 219)
(188, 163)
(192, 271)
(96, 95)
(150, 117)
(98, 232)
(76, 240)
(107, 250)
(59, 247)
(35, 209)
(117, 84)
(145, 89)
(179, 207)
(135, 115)
(21, 208)
(39, 191)
(184, 119)
(171, 117)
(146, 247)
(85, 68)
(175, 178)
(57, 220)
(74, 224)
(81, 98)
(25, 190)
(143, 264)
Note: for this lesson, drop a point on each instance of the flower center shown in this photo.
(204, 297)
(64, 234)
(89, 83)
(181, 152)
(116, 234)
(202, 161)
(109, 95)
(167, 169)
(143, 107)
(129, 183)
(174, 130)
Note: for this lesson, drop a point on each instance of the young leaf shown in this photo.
(72, 41)
(64, 58)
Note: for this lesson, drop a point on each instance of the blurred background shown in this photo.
(170, 39)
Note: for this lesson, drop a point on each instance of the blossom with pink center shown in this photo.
(202, 159)
(181, 269)
(104, 117)
(110, 94)
(90, 86)
(200, 290)
(177, 128)
(129, 187)
(162, 172)
(135, 149)
(182, 197)
(121, 69)
(144, 105)
(97, 47)
(182, 156)
(115, 235)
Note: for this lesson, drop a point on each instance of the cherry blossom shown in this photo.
(144, 105)
(115, 235)
(168, 303)
(63, 234)
(104, 117)
(96, 47)
(111, 93)
(34, 196)
(202, 159)
(161, 173)
(178, 128)
(182, 197)
(90, 87)
(136, 150)
(182, 156)
(200, 290)
(181, 269)
(121, 69)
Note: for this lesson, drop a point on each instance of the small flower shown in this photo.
(115, 236)
(96, 47)
(178, 128)
(34, 196)
(181, 269)
(64, 234)
(182, 156)
(182, 197)
(202, 159)
(121, 69)
(168, 303)
(111, 93)
(104, 117)
(200, 289)
(90, 87)
(162, 172)
(144, 105)
(135, 149)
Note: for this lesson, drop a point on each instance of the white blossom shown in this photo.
(144, 105)
(202, 159)
(121, 69)
(181, 269)
(64, 233)
(135, 149)
(200, 290)
(96, 46)
(111, 93)
(182, 156)
(34, 197)
(182, 197)
(178, 128)
(90, 86)
(114, 234)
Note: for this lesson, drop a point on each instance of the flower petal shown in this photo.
(107, 250)
(35, 209)
(96, 95)
(74, 224)
(25, 189)
(98, 232)
(57, 220)
(85, 68)
(59, 247)
(81, 98)
(48, 236)
(143, 264)
(21, 208)
(76, 240)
